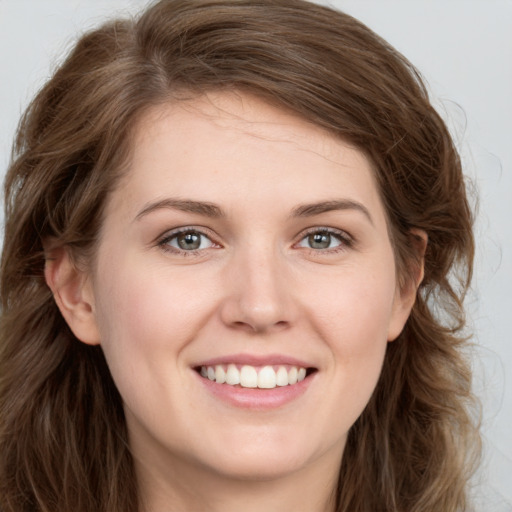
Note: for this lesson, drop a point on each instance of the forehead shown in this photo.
(241, 142)
(235, 114)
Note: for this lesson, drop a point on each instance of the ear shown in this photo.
(73, 293)
(405, 295)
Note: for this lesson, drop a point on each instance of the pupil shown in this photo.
(189, 241)
(320, 240)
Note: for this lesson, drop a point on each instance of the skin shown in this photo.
(256, 286)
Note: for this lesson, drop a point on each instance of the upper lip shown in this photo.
(256, 360)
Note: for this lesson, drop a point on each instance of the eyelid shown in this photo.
(162, 240)
(347, 240)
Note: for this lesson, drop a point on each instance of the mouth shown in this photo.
(261, 377)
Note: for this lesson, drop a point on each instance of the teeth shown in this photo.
(265, 377)
(220, 374)
(248, 377)
(292, 375)
(282, 377)
(232, 375)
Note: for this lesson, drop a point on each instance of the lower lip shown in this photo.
(255, 398)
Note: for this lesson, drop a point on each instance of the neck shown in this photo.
(198, 489)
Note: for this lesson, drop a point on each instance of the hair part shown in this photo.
(63, 436)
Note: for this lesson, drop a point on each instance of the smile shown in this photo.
(246, 376)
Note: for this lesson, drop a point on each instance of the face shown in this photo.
(244, 290)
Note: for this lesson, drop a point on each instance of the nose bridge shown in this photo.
(258, 294)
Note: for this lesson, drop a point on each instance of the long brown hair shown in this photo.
(63, 439)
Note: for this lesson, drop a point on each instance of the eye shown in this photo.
(189, 240)
(325, 239)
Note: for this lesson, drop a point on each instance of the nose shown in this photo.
(258, 295)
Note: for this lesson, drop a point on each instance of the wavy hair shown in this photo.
(63, 438)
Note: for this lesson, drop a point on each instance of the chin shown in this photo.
(259, 469)
(263, 459)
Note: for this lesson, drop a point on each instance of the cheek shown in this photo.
(353, 319)
(135, 302)
(146, 315)
(354, 309)
(141, 334)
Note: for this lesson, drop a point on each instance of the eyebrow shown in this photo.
(310, 210)
(185, 205)
(214, 211)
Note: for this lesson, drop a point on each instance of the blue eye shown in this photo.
(323, 239)
(189, 240)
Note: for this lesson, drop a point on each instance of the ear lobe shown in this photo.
(405, 296)
(73, 294)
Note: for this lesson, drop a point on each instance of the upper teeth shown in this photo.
(265, 377)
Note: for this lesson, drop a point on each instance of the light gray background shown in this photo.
(464, 50)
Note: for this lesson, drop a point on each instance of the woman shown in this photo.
(228, 273)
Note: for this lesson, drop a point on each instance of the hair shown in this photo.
(63, 438)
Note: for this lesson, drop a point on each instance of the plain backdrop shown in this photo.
(464, 50)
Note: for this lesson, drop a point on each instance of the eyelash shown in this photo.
(346, 240)
(163, 243)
